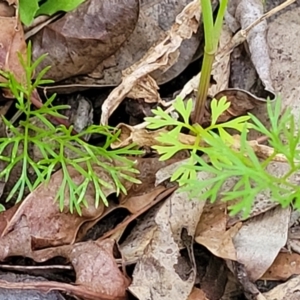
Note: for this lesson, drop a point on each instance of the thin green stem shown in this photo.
(212, 34)
(203, 87)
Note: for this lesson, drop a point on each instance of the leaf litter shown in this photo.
(164, 243)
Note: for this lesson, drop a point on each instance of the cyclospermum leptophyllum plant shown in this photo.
(225, 161)
(58, 147)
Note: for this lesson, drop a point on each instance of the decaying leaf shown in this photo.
(40, 210)
(85, 37)
(133, 134)
(97, 273)
(160, 56)
(285, 58)
(155, 19)
(284, 266)
(288, 290)
(260, 239)
(212, 233)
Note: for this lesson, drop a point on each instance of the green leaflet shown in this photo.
(225, 162)
(58, 146)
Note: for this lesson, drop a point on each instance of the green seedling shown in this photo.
(58, 146)
(29, 9)
(226, 162)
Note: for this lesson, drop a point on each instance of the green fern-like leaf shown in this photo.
(57, 146)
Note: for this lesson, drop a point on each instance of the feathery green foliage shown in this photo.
(226, 162)
(58, 147)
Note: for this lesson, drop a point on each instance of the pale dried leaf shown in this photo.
(248, 12)
(260, 239)
(132, 134)
(285, 56)
(186, 24)
(212, 233)
(288, 290)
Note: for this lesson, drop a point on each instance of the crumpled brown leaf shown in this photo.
(97, 273)
(47, 225)
(140, 197)
(159, 57)
(83, 38)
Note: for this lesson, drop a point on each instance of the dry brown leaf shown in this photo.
(47, 225)
(284, 266)
(133, 247)
(17, 242)
(139, 196)
(211, 231)
(155, 19)
(260, 239)
(186, 24)
(83, 38)
(132, 134)
(136, 205)
(95, 267)
(197, 294)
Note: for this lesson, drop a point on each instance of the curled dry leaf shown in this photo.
(140, 197)
(160, 56)
(17, 242)
(133, 134)
(246, 13)
(155, 19)
(47, 225)
(83, 38)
